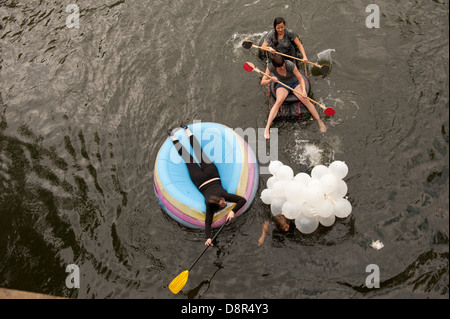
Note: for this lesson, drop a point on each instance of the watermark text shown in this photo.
(373, 19)
(73, 20)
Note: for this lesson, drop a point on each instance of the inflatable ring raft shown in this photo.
(235, 161)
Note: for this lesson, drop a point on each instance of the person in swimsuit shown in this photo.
(287, 73)
(281, 39)
(207, 179)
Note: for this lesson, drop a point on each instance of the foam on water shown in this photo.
(310, 153)
(250, 4)
(325, 55)
(237, 39)
(307, 153)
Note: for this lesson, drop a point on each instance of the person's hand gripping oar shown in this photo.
(179, 281)
(249, 67)
(325, 69)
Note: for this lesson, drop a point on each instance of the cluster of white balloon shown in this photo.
(309, 200)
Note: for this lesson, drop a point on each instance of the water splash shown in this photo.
(308, 154)
(325, 55)
(250, 4)
(237, 39)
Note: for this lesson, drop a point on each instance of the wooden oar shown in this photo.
(179, 281)
(249, 67)
(323, 68)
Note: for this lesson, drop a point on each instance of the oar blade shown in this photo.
(325, 69)
(248, 67)
(247, 44)
(178, 282)
(329, 111)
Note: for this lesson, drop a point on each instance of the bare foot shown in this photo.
(322, 126)
(188, 131)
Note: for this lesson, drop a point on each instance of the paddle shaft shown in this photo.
(288, 56)
(270, 77)
(220, 229)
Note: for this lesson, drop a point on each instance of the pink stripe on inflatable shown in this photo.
(251, 172)
(175, 210)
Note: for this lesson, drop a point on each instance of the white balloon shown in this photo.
(308, 210)
(315, 183)
(329, 183)
(284, 173)
(273, 166)
(295, 191)
(314, 194)
(318, 171)
(340, 191)
(276, 205)
(325, 209)
(289, 209)
(302, 207)
(303, 178)
(288, 188)
(342, 207)
(271, 181)
(306, 225)
(338, 169)
(327, 222)
(278, 189)
(267, 196)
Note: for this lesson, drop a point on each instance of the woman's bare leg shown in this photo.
(311, 109)
(281, 96)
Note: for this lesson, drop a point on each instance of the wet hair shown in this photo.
(214, 201)
(277, 60)
(276, 22)
(279, 221)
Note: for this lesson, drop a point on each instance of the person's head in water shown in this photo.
(217, 202)
(281, 222)
(277, 60)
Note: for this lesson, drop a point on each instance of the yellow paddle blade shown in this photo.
(178, 283)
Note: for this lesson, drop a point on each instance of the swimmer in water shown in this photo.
(281, 222)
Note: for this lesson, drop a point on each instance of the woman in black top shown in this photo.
(207, 179)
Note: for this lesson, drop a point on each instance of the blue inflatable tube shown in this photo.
(235, 161)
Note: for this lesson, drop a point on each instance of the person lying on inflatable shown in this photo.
(207, 179)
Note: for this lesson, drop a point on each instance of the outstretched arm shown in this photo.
(239, 200)
(266, 80)
(266, 45)
(301, 48)
(301, 81)
(208, 222)
(265, 229)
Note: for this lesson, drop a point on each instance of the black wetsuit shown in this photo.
(202, 173)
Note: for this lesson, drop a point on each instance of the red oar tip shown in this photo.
(329, 111)
(248, 67)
